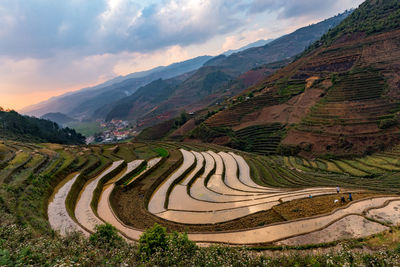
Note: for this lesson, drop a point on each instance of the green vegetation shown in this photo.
(26, 238)
(86, 128)
(162, 152)
(289, 88)
(359, 84)
(206, 133)
(373, 16)
(14, 126)
(260, 139)
(106, 235)
(387, 123)
(152, 240)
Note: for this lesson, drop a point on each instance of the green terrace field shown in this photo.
(215, 194)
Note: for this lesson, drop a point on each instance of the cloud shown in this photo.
(51, 46)
(296, 8)
(43, 28)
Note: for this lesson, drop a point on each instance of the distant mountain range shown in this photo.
(211, 83)
(161, 93)
(82, 103)
(86, 102)
(251, 45)
(60, 118)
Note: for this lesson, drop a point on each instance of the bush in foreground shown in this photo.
(106, 235)
(173, 248)
(19, 247)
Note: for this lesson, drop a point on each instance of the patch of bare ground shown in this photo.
(290, 112)
(184, 129)
(308, 207)
(357, 144)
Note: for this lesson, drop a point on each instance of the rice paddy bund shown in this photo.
(215, 194)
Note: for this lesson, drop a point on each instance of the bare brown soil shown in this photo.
(315, 206)
(290, 112)
(334, 126)
(184, 129)
(356, 144)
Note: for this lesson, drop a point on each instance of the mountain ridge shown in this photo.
(341, 96)
(223, 69)
(72, 103)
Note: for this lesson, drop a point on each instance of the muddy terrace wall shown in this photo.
(80, 182)
(134, 172)
(99, 188)
(197, 175)
(175, 182)
(56, 179)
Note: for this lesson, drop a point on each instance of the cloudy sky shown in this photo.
(49, 47)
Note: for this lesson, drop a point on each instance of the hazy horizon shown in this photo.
(50, 48)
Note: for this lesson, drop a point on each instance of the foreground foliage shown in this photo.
(19, 247)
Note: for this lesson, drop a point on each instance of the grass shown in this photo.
(162, 152)
(349, 169)
(19, 159)
(86, 128)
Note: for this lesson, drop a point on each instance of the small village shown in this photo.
(114, 131)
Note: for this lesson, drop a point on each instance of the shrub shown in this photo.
(179, 249)
(153, 239)
(162, 152)
(288, 150)
(171, 248)
(206, 134)
(105, 235)
(387, 123)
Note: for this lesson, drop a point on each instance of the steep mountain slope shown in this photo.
(84, 102)
(251, 45)
(14, 126)
(58, 117)
(342, 96)
(213, 78)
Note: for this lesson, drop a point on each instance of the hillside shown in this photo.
(83, 103)
(55, 201)
(340, 97)
(58, 117)
(213, 79)
(251, 45)
(14, 126)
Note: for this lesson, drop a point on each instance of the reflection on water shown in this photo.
(83, 211)
(194, 217)
(389, 214)
(231, 178)
(352, 226)
(280, 231)
(157, 200)
(199, 165)
(59, 218)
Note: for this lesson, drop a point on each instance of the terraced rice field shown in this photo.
(215, 194)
